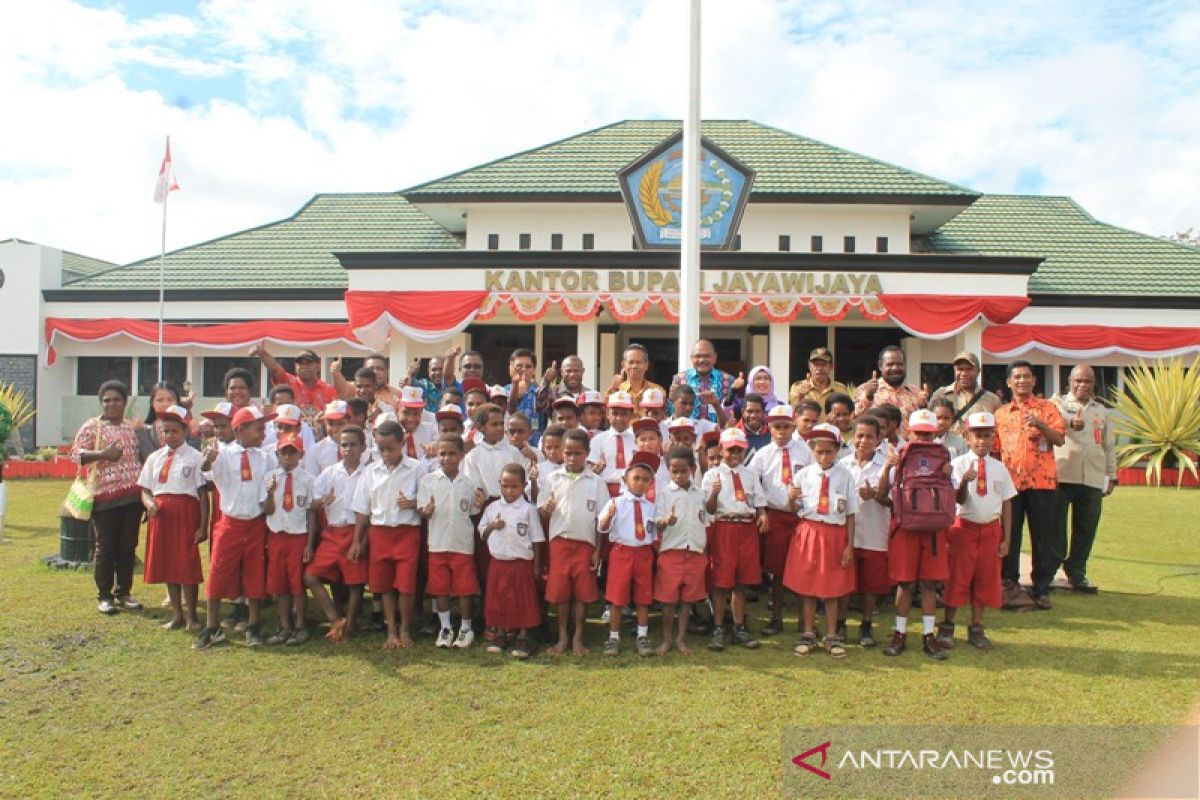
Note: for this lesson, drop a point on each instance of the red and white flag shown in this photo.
(166, 178)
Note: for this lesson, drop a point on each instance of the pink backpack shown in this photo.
(922, 494)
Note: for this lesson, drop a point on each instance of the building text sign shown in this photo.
(667, 281)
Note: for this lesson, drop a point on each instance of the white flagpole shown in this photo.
(689, 250)
(162, 268)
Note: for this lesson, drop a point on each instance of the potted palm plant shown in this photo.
(1158, 416)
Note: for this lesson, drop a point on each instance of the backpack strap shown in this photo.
(963, 411)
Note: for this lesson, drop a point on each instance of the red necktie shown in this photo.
(786, 466)
(288, 502)
(650, 492)
(166, 467)
(412, 446)
(639, 526)
(981, 479)
(739, 491)
(246, 476)
(823, 498)
(620, 452)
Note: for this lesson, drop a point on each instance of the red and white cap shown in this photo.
(646, 459)
(474, 385)
(448, 412)
(922, 421)
(654, 398)
(825, 431)
(681, 424)
(291, 439)
(980, 420)
(244, 416)
(646, 424)
(733, 437)
(288, 414)
(177, 413)
(382, 417)
(590, 398)
(620, 400)
(498, 390)
(781, 413)
(222, 410)
(338, 409)
(412, 397)
(711, 438)
(564, 402)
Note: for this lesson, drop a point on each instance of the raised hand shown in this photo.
(893, 455)
(739, 383)
(480, 497)
(871, 386)
(112, 452)
(971, 474)
(335, 367)
(429, 508)
(405, 502)
(794, 494)
(923, 395)
(414, 367)
(599, 466)
(617, 380)
(272, 482)
(550, 504)
(866, 491)
(805, 386)
(550, 376)
(671, 519)
(716, 486)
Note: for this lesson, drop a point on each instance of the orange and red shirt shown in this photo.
(1024, 449)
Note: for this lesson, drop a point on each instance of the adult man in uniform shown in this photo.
(819, 384)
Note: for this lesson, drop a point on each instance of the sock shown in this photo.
(466, 624)
(444, 618)
(614, 635)
(901, 624)
(927, 621)
(643, 630)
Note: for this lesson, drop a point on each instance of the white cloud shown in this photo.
(375, 95)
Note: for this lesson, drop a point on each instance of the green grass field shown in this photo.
(91, 705)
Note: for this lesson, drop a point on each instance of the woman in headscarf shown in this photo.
(761, 382)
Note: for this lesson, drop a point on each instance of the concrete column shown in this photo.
(587, 335)
(912, 360)
(607, 365)
(970, 338)
(398, 356)
(759, 347)
(779, 354)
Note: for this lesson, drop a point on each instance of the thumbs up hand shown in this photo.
(740, 383)
(871, 386)
(923, 395)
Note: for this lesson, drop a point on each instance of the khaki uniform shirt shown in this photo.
(1087, 457)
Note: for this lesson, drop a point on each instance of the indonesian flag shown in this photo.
(166, 178)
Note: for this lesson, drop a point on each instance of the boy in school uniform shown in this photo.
(628, 522)
(387, 530)
(871, 524)
(776, 466)
(736, 500)
(238, 563)
(978, 540)
(483, 464)
(176, 503)
(653, 404)
(612, 449)
(511, 529)
(564, 412)
(648, 437)
(683, 401)
(447, 499)
(419, 435)
(591, 411)
(572, 499)
(327, 451)
(287, 493)
(681, 432)
(327, 557)
(682, 561)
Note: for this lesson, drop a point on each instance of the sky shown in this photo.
(269, 102)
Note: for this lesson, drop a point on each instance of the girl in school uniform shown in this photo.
(511, 529)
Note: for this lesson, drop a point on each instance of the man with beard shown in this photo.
(892, 389)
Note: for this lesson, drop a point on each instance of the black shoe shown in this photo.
(773, 628)
(208, 637)
(929, 644)
(1084, 586)
(865, 638)
(841, 630)
(743, 638)
(253, 637)
(897, 645)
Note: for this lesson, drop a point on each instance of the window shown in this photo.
(847, 244)
(858, 351)
(216, 367)
(881, 244)
(350, 366)
(556, 241)
(558, 342)
(785, 243)
(1106, 381)
(995, 380)
(589, 241)
(493, 241)
(174, 367)
(937, 375)
(818, 244)
(524, 241)
(496, 343)
(91, 371)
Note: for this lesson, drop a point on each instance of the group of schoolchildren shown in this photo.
(418, 506)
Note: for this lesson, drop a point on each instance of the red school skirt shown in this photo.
(814, 566)
(511, 601)
(172, 555)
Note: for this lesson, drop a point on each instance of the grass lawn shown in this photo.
(91, 705)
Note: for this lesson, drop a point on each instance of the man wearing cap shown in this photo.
(635, 362)
(1087, 473)
(819, 384)
(310, 391)
(887, 386)
(709, 383)
(967, 392)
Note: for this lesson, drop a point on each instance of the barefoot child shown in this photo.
(628, 521)
(736, 500)
(821, 562)
(572, 499)
(447, 499)
(978, 540)
(683, 524)
(871, 524)
(327, 555)
(510, 529)
(238, 564)
(286, 496)
(176, 502)
(387, 530)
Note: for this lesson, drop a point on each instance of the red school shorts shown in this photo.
(285, 562)
(814, 567)
(571, 576)
(914, 556)
(395, 552)
(974, 565)
(172, 555)
(871, 568)
(330, 561)
(778, 540)
(452, 575)
(630, 575)
(733, 554)
(239, 559)
(680, 577)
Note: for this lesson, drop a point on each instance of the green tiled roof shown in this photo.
(784, 163)
(75, 266)
(291, 253)
(1082, 255)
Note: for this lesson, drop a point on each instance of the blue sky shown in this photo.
(269, 102)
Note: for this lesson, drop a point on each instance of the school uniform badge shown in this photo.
(187, 471)
(591, 506)
(464, 505)
(841, 505)
(522, 528)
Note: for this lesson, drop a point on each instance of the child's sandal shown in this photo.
(808, 643)
(520, 649)
(835, 647)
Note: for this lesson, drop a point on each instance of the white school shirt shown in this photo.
(271, 436)
(578, 500)
(379, 491)
(184, 477)
(241, 499)
(999, 488)
(768, 466)
(691, 520)
(296, 520)
(344, 485)
(425, 434)
(323, 455)
(623, 526)
(522, 527)
(604, 448)
(873, 521)
(727, 504)
(450, 529)
(545, 470)
(484, 462)
(843, 494)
